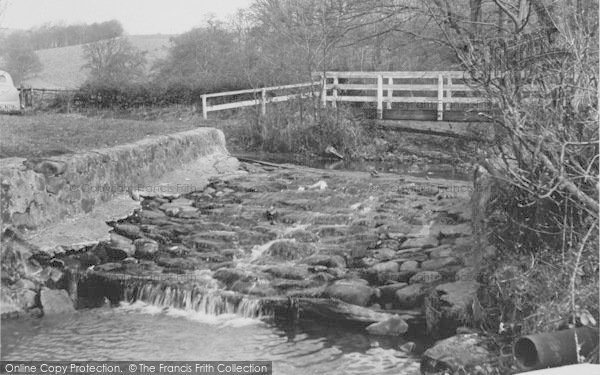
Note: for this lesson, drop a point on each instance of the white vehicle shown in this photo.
(9, 95)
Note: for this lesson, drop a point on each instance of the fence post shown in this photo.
(449, 93)
(390, 93)
(335, 92)
(204, 109)
(440, 104)
(380, 97)
(324, 91)
(263, 101)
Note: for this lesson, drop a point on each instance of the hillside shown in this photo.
(62, 67)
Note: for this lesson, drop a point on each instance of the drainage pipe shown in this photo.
(552, 349)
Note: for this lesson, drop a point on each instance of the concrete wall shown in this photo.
(37, 192)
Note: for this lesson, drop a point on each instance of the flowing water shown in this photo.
(141, 331)
(158, 322)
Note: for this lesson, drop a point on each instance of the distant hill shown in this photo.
(62, 67)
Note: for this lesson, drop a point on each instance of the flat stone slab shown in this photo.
(84, 230)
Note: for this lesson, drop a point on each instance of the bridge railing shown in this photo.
(262, 96)
(440, 88)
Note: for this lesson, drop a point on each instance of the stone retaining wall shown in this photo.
(37, 192)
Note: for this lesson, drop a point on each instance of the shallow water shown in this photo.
(143, 332)
(441, 170)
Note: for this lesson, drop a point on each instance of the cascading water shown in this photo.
(203, 301)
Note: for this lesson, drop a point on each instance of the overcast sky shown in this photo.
(136, 16)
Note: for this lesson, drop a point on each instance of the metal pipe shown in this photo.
(553, 349)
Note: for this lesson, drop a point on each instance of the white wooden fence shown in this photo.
(439, 87)
(264, 98)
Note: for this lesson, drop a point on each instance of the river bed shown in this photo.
(143, 332)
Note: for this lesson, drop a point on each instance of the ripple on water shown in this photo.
(139, 331)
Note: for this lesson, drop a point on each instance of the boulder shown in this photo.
(8, 307)
(302, 235)
(383, 254)
(385, 267)
(128, 230)
(145, 248)
(450, 305)
(409, 265)
(26, 299)
(393, 326)
(228, 276)
(388, 292)
(330, 261)
(119, 247)
(56, 301)
(419, 242)
(437, 263)
(356, 292)
(409, 297)
(290, 250)
(440, 251)
(460, 354)
(288, 272)
(425, 277)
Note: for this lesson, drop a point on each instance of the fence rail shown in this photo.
(438, 89)
(435, 87)
(262, 100)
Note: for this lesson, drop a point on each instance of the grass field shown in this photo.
(62, 67)
(47, 135)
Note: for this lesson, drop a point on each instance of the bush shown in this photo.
(297, 127)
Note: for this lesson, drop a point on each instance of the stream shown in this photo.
(270, 224)
(140, 331)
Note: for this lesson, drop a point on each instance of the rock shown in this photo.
(465, 274)
(260, 288)
(460, 354)
(128, 230)
(388, 292)
(288, 272)
(409, 265)
(107, 267)
(228, 276)
(452, 231)
(56, 301)
(419, 242)
(409, 297)
(290, 250)
(26, 299)
(440, 251)
(145, 248)
(449, 306)
(35, 312)
(437, 263)
(425, 277)
(330, 261)
(351, 291)
(302, 235)
(177, 264)
(119, 247)
(408, 347)
(393, 326)
(50, 167)
(151, 215)
(385, 267)
(384, 254)
(8, 307)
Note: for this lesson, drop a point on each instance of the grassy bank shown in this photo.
(53, 134)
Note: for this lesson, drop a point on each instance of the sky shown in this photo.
(136, 16)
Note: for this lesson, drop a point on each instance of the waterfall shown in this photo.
(210, 302)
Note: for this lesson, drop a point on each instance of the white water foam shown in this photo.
(222, 320)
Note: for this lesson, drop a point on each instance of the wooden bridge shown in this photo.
(432, 101)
